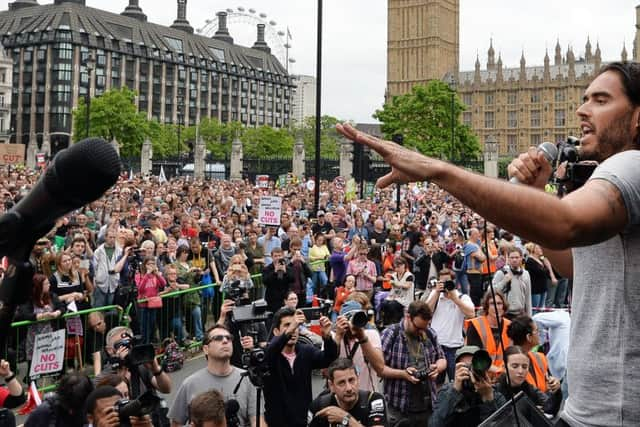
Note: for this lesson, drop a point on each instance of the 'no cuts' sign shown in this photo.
(48, 354)
(270, 210)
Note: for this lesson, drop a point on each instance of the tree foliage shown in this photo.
(424, 118)
(113, 115)
(329, 137)
(266, 141)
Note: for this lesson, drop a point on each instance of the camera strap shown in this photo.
(351, 351)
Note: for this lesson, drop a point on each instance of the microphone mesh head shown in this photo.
(549, 150)
(83, 171)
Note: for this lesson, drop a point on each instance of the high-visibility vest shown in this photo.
(483, 328)
(540, 368)
(493, 252)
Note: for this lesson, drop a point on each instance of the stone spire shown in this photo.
(523, 67)
(134, 11)
(588, 56)
(571, 60)
(558, 58)
(491, 56)
(597, 58)
(623, 54)
(181, 22)
(547, 71)
(476, 75)
(499, 75)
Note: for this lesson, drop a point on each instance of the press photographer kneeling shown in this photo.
(127, 357)
(470, 398)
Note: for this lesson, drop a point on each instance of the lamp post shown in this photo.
(316, 194)
(453, 86)
(180, 107)
(89, 63)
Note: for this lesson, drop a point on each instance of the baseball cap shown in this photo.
(350, 306)
(320, 213)
(467, 349)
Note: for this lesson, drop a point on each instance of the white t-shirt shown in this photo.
(448, 320)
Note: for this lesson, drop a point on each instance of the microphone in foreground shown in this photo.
(550, 152)
(77, 175)
(231, 408)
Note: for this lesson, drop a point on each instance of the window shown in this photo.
(217, 53)
(467, 98)
(536, 139)
(175, 44)
(512, 98)
(560, 118)
(466, 118)
(535, 118)
(512, 144)
(512, 119)
(489, 120)
(488, 98)
(535, 96)
(560, 95)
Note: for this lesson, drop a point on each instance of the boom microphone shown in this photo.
(77, 175)
(548, 150)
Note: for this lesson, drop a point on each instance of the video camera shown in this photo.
(315, 313)
(143, 405)
(576, 172)
(236, 292)
(253, 361)
(139, 354)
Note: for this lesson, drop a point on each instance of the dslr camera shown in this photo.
(143, 405)
(576, 172)
(480, 364)
(357, 318)
(139, 353)
(422, 374)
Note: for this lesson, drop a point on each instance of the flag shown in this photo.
(130, 174)
(33, 400)
(162, 179)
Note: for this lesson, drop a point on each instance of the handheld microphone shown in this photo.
(77, 175)
(548, 150)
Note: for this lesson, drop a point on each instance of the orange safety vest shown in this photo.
(540, 368)
(493, 252)
(483, 328)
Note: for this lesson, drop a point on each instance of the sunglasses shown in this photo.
(220, 338)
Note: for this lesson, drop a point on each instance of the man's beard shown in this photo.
(611, 140)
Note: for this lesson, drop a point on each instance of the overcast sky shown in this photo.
(355, 36)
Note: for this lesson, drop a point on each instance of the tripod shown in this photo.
(258, 383)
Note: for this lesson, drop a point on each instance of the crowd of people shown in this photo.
(157, 260)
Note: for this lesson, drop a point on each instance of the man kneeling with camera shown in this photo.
(346, 404)
(105, 407)
(471, 398)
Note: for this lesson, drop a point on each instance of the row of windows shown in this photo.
(560, 95)
(535, 139)
(560, 119)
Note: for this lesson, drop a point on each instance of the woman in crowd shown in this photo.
(255, 251)
(358, 229)
(237, 271)
(318, 255)
(171, 318)
(150, 283)
(342, 293)
(120, 382)
(402, 286)
(191, 301)
(523, 332)
(540, 272)
(68, 284)
(42, 306)
(484, 332)
(517, 362)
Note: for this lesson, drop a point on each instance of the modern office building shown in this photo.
(6, 74)
(304, 99)
(65, 50)
(517, 106)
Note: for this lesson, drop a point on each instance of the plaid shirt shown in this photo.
(396, 355)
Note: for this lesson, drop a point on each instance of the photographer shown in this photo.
(347, 404)
(149, 375)
(102, 409)
(300, 269)
(469, 399)
(64, 407)
(218, 374)
(359, 344)
(277, 278)
(256, 331)
(449, 307)
(413, 360)
(287, 390)
(514, 282)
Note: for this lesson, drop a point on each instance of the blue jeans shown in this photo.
(196, 321)
(101, 298)
(319, 280)
(537, 300)
(463, 281)
(450, 355)
(147, 323)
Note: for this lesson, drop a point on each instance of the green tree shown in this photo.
(216, 136)
(266, 141)
(424, 119)
(329, 137)
(113, 115)
(164, 139)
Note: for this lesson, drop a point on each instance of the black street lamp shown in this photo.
(90, 64)
(179, 117)
(453, 86)
(316, 194)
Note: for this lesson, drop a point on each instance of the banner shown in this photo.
(270, 210)
(351, 190)
(11, 154)
(48, 354)
(262, 181)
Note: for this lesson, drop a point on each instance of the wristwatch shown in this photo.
(345, 420)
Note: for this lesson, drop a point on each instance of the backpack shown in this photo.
(173, 358)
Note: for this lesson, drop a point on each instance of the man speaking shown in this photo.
(592, 233)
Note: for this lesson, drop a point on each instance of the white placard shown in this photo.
(270, 210)
(48, 354)
(262, 181)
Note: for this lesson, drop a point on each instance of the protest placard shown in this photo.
(270, 210)
(48, 354)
